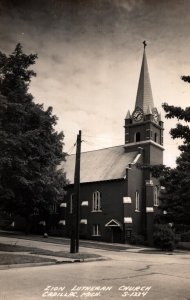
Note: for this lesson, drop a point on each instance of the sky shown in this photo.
(89, 59)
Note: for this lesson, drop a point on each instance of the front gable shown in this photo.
(114, 223)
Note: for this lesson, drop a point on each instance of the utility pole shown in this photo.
(74, 244)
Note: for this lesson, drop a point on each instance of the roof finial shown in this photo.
(145, 44)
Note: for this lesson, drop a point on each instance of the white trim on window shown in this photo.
(149, 209)
(83, 221)
(96, 201)
(62, 222)
(149, 182)
(156, 191)
(128, 220)
(96, 230)
(137, 202)
(127, 200)
(84, 203)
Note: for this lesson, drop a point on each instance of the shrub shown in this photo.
(185, 237)
(164, 237)
(137, 240)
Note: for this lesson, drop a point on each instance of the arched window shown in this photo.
(96, 201)
(155, 137)
(137, 204)
(53, 209)
(156, 200)
(96, 230)
(137, 137)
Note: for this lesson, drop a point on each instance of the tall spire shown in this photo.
(144, 98)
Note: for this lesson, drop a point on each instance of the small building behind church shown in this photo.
(118, 199)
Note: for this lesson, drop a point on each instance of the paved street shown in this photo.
(154, 276)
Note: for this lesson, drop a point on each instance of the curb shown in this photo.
(57, 262)
(15, 266)
(87, 260)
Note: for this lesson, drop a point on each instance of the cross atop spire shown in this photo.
(145, 44)
(144, 98)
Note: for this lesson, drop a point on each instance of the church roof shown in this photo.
(144, 98)
(100, 165)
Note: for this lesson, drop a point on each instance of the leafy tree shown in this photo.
(30, 148)
(175, 199)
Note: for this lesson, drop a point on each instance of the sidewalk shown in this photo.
(89, 250)
(66, 241)
(38, 245)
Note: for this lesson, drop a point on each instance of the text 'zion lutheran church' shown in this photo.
(119, 199)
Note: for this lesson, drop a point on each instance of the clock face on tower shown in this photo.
(155, 115)
(138, 115)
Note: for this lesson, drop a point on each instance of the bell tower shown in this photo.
(144, 127)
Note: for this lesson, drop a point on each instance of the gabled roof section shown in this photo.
(113, 223)
(100, 165)
(144, 98)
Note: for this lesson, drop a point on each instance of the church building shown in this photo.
(118, 199)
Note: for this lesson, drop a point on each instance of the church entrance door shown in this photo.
(116, 231)
(116, 235)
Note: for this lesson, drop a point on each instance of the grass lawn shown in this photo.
(65, 254)
(15, 248)
(9, 259)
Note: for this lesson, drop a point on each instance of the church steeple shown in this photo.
(144, 127)
(144, 99)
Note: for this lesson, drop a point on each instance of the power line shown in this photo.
(71, 149)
